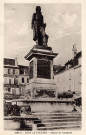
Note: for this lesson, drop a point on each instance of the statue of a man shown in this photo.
(38, 27)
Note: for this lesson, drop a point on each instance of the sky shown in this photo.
(63, 27)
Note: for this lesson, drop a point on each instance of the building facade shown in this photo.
(68, 78)
(11, 74)
(23, 79)
(15, 79)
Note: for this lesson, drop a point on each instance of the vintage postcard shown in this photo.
(42, 67)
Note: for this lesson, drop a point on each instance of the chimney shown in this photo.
(16, 61)
(74, 51)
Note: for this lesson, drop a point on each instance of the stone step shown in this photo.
(27, 117)
(58, 117)
(60, 120)
(37, 121)
(56, 120)
(47, 124)
(56, 114)
(60, 127)
(53, 113)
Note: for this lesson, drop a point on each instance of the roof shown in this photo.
(79, 54)
(22, 66)
(62, 69)
(57, 68)
(8, 61)
(72, 62)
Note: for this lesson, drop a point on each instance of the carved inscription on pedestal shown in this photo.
(43, 69)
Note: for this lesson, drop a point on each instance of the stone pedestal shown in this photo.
(41, 83)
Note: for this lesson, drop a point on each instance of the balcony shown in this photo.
(11, 85)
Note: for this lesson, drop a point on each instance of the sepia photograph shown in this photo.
(42, 67)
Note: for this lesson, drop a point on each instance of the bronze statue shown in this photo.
(38, 27)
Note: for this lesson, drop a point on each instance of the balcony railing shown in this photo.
(11, 85)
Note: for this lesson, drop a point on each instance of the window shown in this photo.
(15, 81)
(9, 71)
(8, 89)
(16, 72)
(13, 71)
(27, 80)
(9, 81)
(22, 80)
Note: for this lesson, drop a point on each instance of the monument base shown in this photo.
(41, 88)
(41, 83)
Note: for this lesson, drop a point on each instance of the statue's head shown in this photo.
(38, 9)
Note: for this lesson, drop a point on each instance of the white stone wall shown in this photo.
(25, 79)
(11, 71)
(12, 90)
(7, 80)
(5, 70)
(8, 77)
(77, 77)
(21, 84)
(79, 61)
(69, 80)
